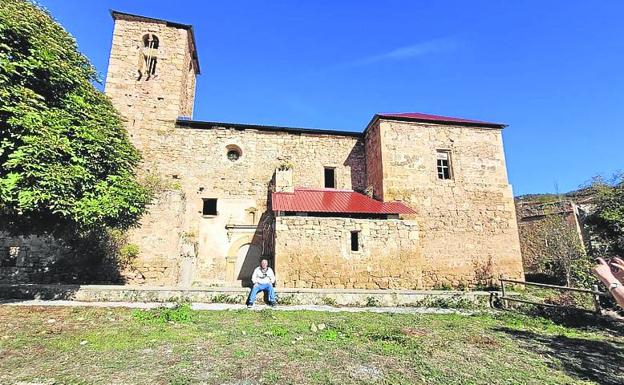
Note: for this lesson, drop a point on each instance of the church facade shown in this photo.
(412, 201)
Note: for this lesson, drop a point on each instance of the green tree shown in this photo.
(65, 159)
(607, 218)
(563, 257)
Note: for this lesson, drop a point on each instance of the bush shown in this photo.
(66, 163)
(372, 302)
(329, 335)
(607, 220)
(225, 298)
(329, 301)
(128, 253)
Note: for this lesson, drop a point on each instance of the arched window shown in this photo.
(148, 57)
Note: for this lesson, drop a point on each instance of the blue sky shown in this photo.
(552, 70)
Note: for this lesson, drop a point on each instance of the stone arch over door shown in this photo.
(243, 257)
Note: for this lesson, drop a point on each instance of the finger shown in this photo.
(600, 261)
(618, 265)
(618, 260)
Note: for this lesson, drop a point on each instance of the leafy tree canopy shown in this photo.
(65, 158)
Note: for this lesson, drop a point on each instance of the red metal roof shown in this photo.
(417, 116)
(334, 201)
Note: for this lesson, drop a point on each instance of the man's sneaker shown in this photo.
(272, 304)
(249, 306)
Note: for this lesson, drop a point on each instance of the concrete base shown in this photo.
(286, 296)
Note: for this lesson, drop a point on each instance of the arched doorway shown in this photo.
(247, 259)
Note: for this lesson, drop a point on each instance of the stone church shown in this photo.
(411, 201)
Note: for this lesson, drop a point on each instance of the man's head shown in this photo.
(264, 263)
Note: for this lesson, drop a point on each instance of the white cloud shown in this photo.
(411, 51)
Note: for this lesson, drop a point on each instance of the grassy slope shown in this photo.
(279, 347)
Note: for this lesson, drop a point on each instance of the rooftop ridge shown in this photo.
(325, 189)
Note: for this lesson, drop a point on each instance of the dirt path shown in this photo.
(224, 306)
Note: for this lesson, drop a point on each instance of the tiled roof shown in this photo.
(334, 201)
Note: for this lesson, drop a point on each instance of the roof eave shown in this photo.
(377, 117)
(343, 212)
(206, 125)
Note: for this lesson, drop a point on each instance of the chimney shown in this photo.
(284, 179)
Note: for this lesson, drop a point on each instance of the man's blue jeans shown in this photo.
(268, 291)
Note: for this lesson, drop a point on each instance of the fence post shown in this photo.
(503, 293)
(596, 299)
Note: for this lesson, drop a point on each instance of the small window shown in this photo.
(330, 177)
(148, 60)
(444, 164)
(210, 206)
(355, 241)
(8, 256)
(233, 152)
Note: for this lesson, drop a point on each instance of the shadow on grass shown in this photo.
(585, 359)
(12, 293)
(573, 318)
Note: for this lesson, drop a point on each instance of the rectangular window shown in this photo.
(330, 177)
(444, 164)
(355, 241)
(210, 206)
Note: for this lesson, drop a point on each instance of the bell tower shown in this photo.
(151, 71)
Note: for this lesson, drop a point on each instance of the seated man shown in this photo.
(263, 279)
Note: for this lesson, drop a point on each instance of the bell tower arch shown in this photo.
(152, 69)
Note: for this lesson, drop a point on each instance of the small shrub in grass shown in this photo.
(452, 302)
(180, 380)
(279, 331)
(395, 336)
(225, 298)
(286, 300)
(329, 335)
(181, 313)
(372, 302)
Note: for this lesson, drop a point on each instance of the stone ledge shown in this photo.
(291, 296)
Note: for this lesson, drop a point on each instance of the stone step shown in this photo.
(286, 296)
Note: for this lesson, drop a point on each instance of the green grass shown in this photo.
(182, 346)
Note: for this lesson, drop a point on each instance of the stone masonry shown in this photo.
(464, 231)
(389, 258)
(467, 223)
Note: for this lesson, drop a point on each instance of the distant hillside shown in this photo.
(580, 196)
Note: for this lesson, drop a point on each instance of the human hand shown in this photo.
(618, 263)
(603, 271)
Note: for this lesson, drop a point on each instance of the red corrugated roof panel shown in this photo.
(334, 201)
(417, 116)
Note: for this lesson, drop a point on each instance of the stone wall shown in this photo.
(374, 163)
(467, 224)
(196, 161)
(161, 99)
(46, 259)
(159, 237)
(31, 258)
(187, 87)
(316, 252)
